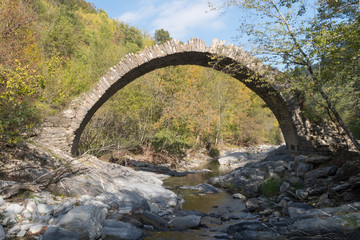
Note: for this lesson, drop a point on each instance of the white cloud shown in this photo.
(182, 18)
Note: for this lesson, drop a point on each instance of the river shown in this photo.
(220, 209)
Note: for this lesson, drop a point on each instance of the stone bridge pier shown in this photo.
(64, 131)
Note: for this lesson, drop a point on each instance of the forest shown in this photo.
(51, 51)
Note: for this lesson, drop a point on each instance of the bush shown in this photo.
(270, 187)
(214, 153)
(170, 142)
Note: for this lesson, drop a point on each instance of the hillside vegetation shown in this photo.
(54, 50)
(51, 51)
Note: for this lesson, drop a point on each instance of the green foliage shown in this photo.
(320, 49)
(170, 142)
(19, 88)
(65, 46)
(214, 153)
(351, 222)
(161, 36)
(270, 187)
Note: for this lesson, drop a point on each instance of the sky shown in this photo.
(182, 18)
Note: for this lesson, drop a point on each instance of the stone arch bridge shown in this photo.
(64, 131)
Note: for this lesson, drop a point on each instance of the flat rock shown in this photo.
(186, 222)
(238, 196)
(258, 235)
(149, 218)
(321, 172)
(36, 228)
(85, 220)
(203, 188)
(114, 230)
(317, 159)
(154, 194)
(56, 233)
(246, 180)
(303, 168)
(45, 208)
(14, 209)
(63, 208)
(233, 158)
(2, 233)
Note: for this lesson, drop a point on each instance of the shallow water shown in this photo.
(220, 203)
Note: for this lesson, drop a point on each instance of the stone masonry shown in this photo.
(64, 131)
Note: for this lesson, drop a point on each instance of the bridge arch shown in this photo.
(65, 131)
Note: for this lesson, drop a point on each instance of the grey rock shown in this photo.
(349, 169)
(36, 228)
(318, 226)
(279, 169)
(203, 188)
(45, 208)
(341, 187)
(324, 201)
(284, 186)
(252, 204)
(21, 233)
(14, 209)
(63, 208)
(86, 220)
(233, 158)
(294, 180)
(246, 225)
(317, 191)
(154, 194)
(245, 180)
(114, 229)
(317, 159)
(300, 158)
(303, 168)
(154, 220)
(238, 196)
(132, 199)
(292, 166)
(258, 235)
(1, 201)
(2, 233)
(14, 230)
(302, 194)
(55, 233)
(320, 172)
(186, 222)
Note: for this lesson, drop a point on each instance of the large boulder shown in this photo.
(233, 158)
(149, 218)
(114, 230)
(244, 180)
(155, 194)
(85, 220)
(320, 172)
(56, 233)
(186, 222)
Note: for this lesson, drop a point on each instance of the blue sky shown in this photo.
(182, 18)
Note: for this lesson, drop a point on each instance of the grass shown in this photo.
(270, 187)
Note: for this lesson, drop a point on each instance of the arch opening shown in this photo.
(186, 106)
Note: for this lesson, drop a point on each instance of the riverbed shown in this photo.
(219, 209)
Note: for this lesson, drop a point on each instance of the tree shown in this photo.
(161, 36)
(284, 32)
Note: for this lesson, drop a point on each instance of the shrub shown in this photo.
(214, 153)
(270, 187)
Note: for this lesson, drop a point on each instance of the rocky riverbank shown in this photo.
(276, 196)
(294, 197)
